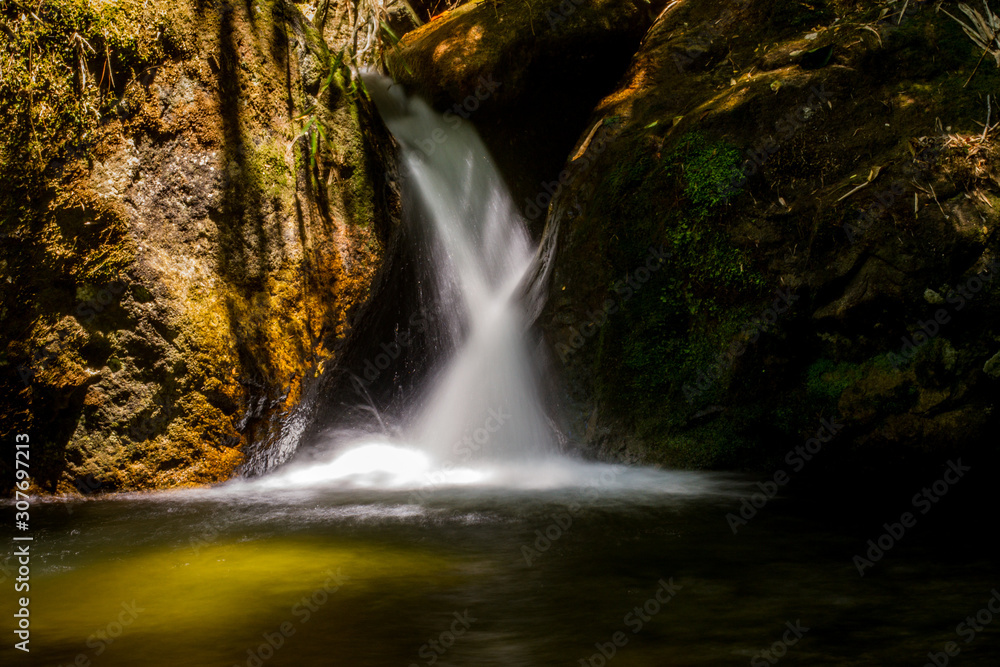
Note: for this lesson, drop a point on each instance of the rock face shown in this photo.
(526, 74)
(784, 222)
(184, 254)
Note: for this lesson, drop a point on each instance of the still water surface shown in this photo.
(365, 577)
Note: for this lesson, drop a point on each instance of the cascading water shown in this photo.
(481, 411)
(479, 419)
(486, 397)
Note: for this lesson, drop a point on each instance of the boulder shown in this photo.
(809, 172)
(178, 275)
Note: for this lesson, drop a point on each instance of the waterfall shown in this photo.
(486, 396)
(478, 420)
(481, 409)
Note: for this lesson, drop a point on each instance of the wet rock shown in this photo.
(199, 242)
(525, 74)
(777, 147)
(992, 366)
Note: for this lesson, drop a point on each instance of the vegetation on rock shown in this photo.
(191, 217)
(865, 179)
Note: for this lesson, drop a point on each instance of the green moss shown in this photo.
(873, 387)
(709, 168)
(141, 294)
(273, 175)
(826, 379)
(67, 71)
(358, 192)
(674, 328)
(730, 441)
(794, 413)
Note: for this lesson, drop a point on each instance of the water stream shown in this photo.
(480, 417)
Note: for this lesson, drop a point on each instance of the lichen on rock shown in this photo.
(183, 248)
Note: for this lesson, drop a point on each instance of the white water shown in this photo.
(479, 421)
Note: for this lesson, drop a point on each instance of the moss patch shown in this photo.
(674, 327)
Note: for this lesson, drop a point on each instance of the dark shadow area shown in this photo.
(384, 360)
(243, 242)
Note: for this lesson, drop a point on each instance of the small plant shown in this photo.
(367, 43)
(983, 32)
(709, 170)
(390, 40)
(313, 130)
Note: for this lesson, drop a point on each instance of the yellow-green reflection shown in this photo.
(213, 601)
